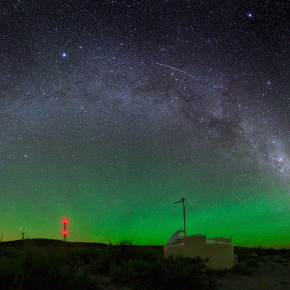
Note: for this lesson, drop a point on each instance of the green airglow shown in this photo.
(117, 206)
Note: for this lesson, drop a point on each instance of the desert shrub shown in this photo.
(88, 255)
(137, 273)
(221, 272)
(252, 262)
(51, 267)
(242, 269)
(35, 268)
(151, 256)
(279, 260)
(254, 256)
(283, 251)
(178, 273)
(285, 256)
(271, 251)
(124, 274)
(100, 264)
(121, 253)
(210, 272)
(125, 243)
(185, 273)
(6, 272)
(148, 274)
(260, 251)
(242, 253)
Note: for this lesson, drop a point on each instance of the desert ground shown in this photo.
(53, 264)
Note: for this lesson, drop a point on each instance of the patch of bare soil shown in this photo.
(272, 274)
(105, 283)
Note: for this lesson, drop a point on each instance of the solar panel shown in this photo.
(173, 238)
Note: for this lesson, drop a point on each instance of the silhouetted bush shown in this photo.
(7, 272)
(178, 273)
(242, 269)
(38, 268)
(126, 243)
(251, 262)
(47, 265)
(100, 265)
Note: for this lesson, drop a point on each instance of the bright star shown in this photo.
(250, 15)
(64, 54)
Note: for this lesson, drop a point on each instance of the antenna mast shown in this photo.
(182, 200)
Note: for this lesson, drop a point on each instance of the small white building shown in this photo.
(220, 251)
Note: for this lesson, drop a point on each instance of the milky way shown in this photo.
(110, 113)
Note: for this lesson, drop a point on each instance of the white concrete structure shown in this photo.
(220, 251)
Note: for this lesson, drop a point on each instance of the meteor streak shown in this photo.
(174, 68)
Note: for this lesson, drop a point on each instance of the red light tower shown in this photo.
(64, 230)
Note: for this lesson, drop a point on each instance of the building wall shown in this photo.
(220, 254)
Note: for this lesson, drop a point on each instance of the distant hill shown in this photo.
(50, 242)
(59, 243)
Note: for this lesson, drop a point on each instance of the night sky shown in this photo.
(111, 111)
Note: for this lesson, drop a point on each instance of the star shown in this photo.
(105, 109)
(279, 159)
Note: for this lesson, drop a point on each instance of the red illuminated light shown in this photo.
(64, 231)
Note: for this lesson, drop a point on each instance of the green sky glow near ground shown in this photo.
(140, 205)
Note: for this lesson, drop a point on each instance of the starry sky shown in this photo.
(111, 111)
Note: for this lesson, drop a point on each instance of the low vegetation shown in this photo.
(36, 264)
(251, 259)
(51, 264)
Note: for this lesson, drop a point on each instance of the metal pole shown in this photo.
(183, 215)
(64, 231)
(182, 200)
